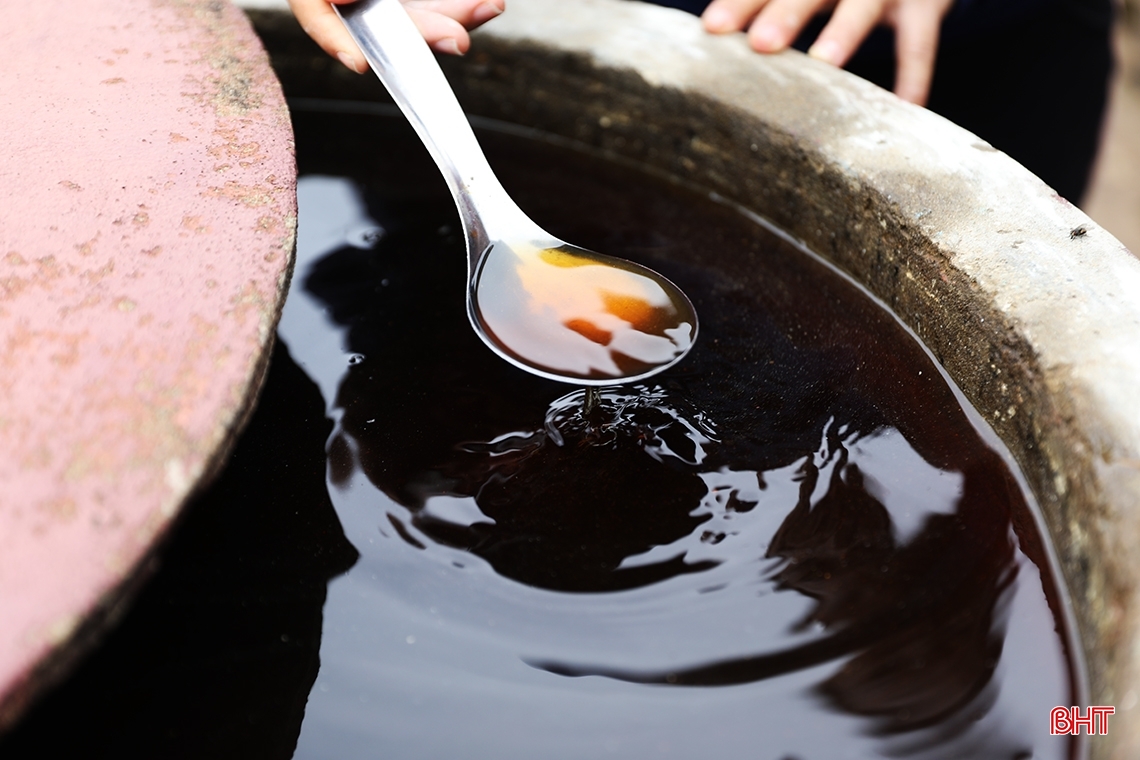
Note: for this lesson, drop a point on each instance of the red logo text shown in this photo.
(1068, 720)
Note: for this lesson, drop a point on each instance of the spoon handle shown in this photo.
(404, 63)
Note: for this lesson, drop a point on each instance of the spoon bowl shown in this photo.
(570, 314)
(546, 306)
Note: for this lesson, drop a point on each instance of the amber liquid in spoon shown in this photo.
(570, 313)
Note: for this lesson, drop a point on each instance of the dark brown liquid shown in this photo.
(793, 544)
(571, 313)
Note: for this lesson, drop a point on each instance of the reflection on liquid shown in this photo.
(574, 313)
(537, 494)
(802, 498)
(922, 619)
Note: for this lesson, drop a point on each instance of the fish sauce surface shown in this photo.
(796, 543)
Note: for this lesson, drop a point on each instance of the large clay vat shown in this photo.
(1039, 326)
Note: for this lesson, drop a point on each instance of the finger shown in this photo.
(916, 47)
(724, 16)
(321, 23)
(780, 22)
(469, 13)
(850, 24)
(443, 33)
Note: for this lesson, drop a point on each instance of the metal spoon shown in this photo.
(549, 307)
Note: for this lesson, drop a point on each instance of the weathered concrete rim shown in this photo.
(1025, 301)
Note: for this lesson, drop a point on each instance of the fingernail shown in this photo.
(447, 45)
(485, 13)
(826, 51)
(347, 60)
(718, 19)
(767, 37)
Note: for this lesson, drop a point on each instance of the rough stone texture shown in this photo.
(1038, 326)
(147, 215)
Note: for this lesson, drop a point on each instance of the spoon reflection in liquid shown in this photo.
(549, 307)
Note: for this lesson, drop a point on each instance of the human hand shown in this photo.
(774, 24)
(443, 23)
